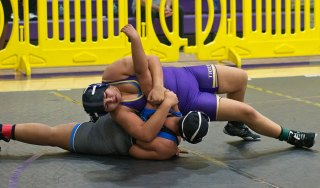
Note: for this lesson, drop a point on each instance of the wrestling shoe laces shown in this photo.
(301, 139)
(239, 129)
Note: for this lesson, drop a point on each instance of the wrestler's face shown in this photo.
(112, 98)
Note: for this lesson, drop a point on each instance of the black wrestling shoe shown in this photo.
(4, 139)
(239, 129)
(301, 139)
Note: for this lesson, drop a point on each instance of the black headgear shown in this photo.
(92, 99)
(194, 126)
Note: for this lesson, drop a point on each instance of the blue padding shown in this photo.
(168, 136)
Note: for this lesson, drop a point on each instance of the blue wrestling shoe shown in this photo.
(239, 129)
(301, 139)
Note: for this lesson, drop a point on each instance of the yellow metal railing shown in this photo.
(82, 50)
(275, 40)
(276, 31)
(1, 20)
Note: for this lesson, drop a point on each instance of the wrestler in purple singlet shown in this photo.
(195, 87)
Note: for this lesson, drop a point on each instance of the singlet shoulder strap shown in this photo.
(130, 80)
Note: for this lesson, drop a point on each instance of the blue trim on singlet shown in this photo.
(147, 112)
(73, 133)
(168, 136)
(174, 113)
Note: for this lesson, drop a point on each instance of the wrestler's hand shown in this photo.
(171, 98)
(167, 11)
(130, 31)
(181, 151)
(156, 95)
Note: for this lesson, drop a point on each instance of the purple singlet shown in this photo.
(195, 86)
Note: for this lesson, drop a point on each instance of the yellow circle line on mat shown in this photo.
(230, 167)
(283, 95)
(67, 98)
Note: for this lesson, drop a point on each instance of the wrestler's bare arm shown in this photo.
(140, 130)
(148, 69)
(157, 149)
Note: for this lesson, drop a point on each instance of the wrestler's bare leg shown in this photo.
(232, 81)
(42, 134)
(237, 111)
(233, 110)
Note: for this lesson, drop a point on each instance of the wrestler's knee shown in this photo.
(52, 136)
(249, 113)
(58, 136)
(166, 150)
(242, 77)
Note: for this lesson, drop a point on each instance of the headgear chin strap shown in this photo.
(92, 100)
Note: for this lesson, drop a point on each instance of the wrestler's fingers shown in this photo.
(183, 150)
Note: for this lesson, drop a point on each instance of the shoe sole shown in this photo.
(250, 139)
(244, 138)
(314, 140)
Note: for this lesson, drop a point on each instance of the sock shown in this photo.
(284, 135)
(13, 137)
(6, 130)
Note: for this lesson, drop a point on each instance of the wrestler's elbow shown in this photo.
(166, 151)
(144, 135)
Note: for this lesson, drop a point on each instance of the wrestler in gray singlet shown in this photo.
(104, 137)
